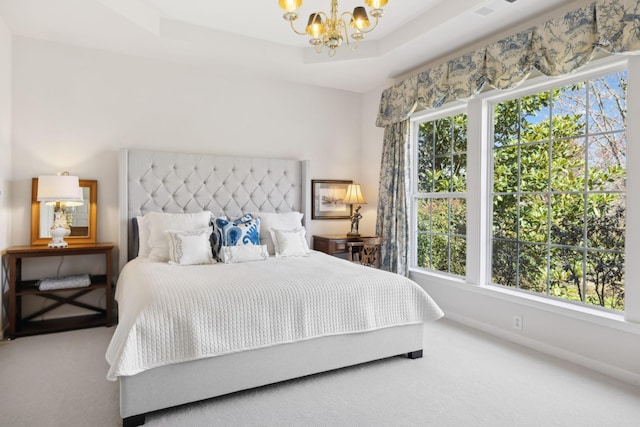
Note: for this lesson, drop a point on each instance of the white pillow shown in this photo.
(143, 236)
(278, 221)
(290, 243)
(190, 247)
(160, 223)
(243, 253)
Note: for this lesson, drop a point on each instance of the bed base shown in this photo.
(188, 382)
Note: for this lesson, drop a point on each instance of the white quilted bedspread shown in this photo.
(170, 313)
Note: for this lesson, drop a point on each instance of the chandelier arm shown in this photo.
(321, 13)
(345, 31)
(347, 14)
(302, 33)
(351, 44)
(371, 27)
(350, 17)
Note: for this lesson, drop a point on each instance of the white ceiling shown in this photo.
(252, 35)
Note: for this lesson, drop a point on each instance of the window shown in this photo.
(558, 198)
(548, 164)
(439, 197)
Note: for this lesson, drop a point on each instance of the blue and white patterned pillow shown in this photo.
(242, 231)
(216, 237)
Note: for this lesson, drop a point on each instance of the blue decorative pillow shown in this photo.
(242, 231)
(216, 237)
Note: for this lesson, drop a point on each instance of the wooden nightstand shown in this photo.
(339, 245)
(19, 326)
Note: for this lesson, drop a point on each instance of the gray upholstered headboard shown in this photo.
(181, 182)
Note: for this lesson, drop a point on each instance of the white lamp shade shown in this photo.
(353, 195)
(59, 188)
(76, 202)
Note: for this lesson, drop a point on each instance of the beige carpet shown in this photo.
(467, 378)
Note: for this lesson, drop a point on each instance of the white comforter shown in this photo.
(170, 314)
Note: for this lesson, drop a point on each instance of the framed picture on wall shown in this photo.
(326, 199)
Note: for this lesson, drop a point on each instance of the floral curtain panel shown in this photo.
(556, 47)
(393, 205)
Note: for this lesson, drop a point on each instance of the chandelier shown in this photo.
(330, 30)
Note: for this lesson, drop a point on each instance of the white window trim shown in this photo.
(451, 109)
(479, 208)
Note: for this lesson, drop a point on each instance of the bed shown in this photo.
(276, 318)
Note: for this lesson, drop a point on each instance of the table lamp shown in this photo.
(354, 197)
(60, 190)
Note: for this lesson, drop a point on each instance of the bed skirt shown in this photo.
(181, 383)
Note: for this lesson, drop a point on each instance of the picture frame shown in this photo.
(326, 195)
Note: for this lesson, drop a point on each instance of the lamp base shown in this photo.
(58, 242)
(54, 244)
(355, 222)
(57, 235)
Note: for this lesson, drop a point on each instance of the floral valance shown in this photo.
(555, 47)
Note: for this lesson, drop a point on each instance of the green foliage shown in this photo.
(442, 165)
(441, 235)
(540, 212)
(558, 203)
(442, 159)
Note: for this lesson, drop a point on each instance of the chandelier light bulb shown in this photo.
(360, 19)
(290, 5)
(315, 27)
(376, 7)
(376, 4)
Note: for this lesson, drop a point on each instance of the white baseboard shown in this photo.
(594, 365)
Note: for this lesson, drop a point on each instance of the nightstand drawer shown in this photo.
(330, 245)
(337, 244)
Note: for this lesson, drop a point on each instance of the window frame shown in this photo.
(479, 210)
(451, 109)
(536, 86)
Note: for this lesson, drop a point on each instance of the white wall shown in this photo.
(74, 108)
(5, 144)
(371, 154)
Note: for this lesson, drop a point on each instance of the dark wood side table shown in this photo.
(366, 252)
(19, 326)
(336, 244)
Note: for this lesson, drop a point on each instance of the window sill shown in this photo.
(574, 311)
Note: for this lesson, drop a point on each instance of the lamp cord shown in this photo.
(59, 266)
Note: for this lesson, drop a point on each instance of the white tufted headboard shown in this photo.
(181, 182)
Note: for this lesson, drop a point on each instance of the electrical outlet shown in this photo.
(517, 322)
